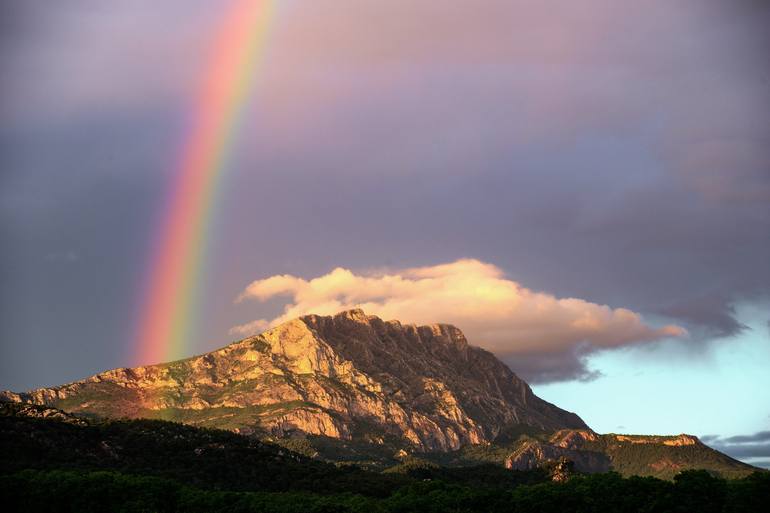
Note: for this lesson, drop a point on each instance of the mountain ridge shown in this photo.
(324, 375)
(355, 387)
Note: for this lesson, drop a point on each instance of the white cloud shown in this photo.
(250, 328)
(493, 311)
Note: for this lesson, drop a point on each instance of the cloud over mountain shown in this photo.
(754, 448)
(546, 335)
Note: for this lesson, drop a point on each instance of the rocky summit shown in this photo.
(350, 376)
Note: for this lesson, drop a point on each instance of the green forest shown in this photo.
(107, 491)
(63, 465)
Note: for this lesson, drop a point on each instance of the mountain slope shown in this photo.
(353, 387)
(347, 377)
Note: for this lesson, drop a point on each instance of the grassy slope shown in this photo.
(664, 461)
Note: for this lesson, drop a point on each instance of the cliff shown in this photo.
(349, 377)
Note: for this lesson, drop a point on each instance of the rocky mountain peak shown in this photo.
(349, 376)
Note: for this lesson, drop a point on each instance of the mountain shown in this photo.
(346, 377)
(355, 387)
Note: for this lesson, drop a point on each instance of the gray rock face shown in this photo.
(349, 376)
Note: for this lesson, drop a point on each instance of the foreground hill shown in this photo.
(51, 461)
(37, 437)
(353, 387)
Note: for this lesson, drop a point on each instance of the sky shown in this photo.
(582, 187)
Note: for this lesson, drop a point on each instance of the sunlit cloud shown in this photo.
(251, 328)
(549, 333)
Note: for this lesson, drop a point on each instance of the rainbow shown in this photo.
(167, 305)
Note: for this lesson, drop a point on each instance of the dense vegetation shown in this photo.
(63, 465)
(206, 458)
(84, 492)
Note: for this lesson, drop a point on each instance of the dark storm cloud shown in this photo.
(754, 448)
(746, 451)
(76, 213)
(624, 158)
(62, 62)
(714, 312)
(547, 368)
(618, 154)
(762, 436)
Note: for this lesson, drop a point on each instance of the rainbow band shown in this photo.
(167, 312)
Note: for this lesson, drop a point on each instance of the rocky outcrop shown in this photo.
(535, 454)
(562, 470)
(573, 439)
(673, 441)
(34, 411)
(350, 376)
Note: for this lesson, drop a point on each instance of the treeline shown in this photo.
(58, 491)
